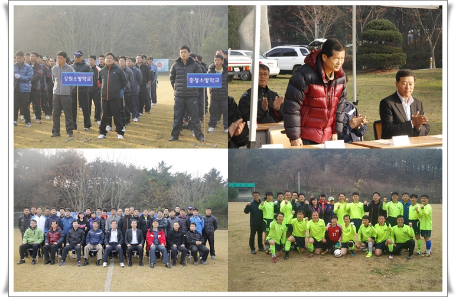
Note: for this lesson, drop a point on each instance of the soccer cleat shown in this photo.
(418, 253)
(352, 253)
(120, 136)
(108, 128)
(426, 254)
(101, 136)
(368, 255)
(287, 256)
(274, 259)
(390, 257)
(105, 264)
(211, 129)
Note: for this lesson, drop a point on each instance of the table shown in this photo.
(415, 142)
(262, 133)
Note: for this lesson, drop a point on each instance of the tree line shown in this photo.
(331, 172)
(156, 31)
(64, 178)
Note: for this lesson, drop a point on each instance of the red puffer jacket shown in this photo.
(151, 236)
(313, 107)
(54, 236)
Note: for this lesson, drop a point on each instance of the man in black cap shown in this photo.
(81, 66)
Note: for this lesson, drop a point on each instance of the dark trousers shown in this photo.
(115, 107)
(201, 104)
(392, 221)
(410, 245)
(70, 247)
(175, 251)
(210, 238)
(113, 246)
(50, 97)
(357, 223)
(259, 232)
(204, 252)
(95, 97)
(84, 103)
(218, 108)
(24, 247)
(148, 100)
(126, 108)
(35, 97)
(134, 105)
(206, 101)
(135, 247)
(44, 102)
(142, 98)
(308, 142)
(21, 101)
(191, 104)
(153, 92)
(62, 102)
(52, 248)
(162, 249)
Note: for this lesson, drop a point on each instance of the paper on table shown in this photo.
(272, 146)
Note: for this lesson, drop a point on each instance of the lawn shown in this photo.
(152, 131)
(247, 272)
(212, 277)
(371, 88)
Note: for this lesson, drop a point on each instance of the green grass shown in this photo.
(371, 88)
(152, 131)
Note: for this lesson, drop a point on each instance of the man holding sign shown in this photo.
(62, 96)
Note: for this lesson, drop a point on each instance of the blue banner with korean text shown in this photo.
(83, 79)
(204, 80)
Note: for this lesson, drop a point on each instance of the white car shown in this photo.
(272, 64)
(289, 57)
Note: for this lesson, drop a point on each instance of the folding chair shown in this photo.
(277, 136)
(378, 130)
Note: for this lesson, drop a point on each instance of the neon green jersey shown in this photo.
(286, 208)
(356, 210)
(425, 217)
(299, 227)
(268, 210)
(394, 209)
(340, 212)
(278, 232)
(316, 229)
(401, 234)
(366, 232)
(348, 233)
(383, 232)
(413, 214)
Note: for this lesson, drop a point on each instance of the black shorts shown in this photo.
(392, 221)
(426, 233)
(415, 226)
(278, 246)
(366, 242)
(382, 246)
(266, 224)
(300, 241)
(357, 223)
(345, 244)
(317, 244)
(289, 227)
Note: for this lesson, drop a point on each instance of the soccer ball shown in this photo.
(338, 253)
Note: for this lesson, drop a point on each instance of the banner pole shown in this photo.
(77, 111)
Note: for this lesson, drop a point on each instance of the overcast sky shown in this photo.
(194, 161)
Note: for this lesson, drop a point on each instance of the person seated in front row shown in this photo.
(113, 241)
(176, 243)
(94, 240)
(270, 105)
(134, 241)
(74, 241)
(33, 237)
(354, 125)
(53, 241)
(156, 240)
(194, 242)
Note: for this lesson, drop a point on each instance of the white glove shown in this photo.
(17, 76)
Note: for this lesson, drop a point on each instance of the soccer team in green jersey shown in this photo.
(349, 229)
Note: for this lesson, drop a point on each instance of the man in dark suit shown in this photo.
(401, 114)
(134, 241)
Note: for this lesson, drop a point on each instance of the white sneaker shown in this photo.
(86, 129)
(101, 136)
(48, 117)
(74, 256)
(108, 128)
(140, 114)
(105, 264)
(123, 129)
(99, 123)
(211, 129)
(80, 108)
(34, 117)
(22, 117)
(154, 104)
(122, 265)
(119, 136)
(135, 119)
(226, 130)
(38, 121)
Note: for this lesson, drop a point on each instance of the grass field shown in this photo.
(212, 277)
(247, 272)
(152, 131)
(371, 88)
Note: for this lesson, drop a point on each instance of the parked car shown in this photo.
(289, 57)
(238, 65)
(316, 44)
(273, 65)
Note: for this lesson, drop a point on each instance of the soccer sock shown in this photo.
(272, 247)
(390, 248)
(287, 246)
(428, 246)
(311, 247)
(370, 247)
(418, 241)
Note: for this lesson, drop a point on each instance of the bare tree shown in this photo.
(316, 19)
(431, 26)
